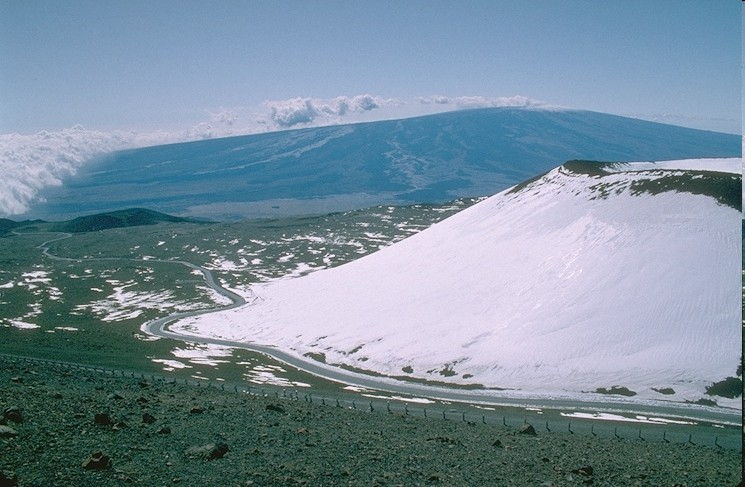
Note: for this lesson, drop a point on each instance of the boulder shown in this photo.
(277, 408)
(584, 471)
(210, 451)
(7, 432)
(13, 414)
(102, 419)
(8, 478)
(97, 461)
(527, 429)
(218, 451)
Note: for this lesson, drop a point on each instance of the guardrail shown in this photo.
(512, 418)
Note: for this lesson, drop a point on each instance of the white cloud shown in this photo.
(227, 117)
(480, 101)
(29, 163)
(32, 162)
(304, 111)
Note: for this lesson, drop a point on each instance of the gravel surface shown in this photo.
(88, 429)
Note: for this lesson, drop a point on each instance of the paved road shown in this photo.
(160, 327)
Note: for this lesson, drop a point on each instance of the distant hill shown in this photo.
(133, 217)
(429, 159)
(7, 225)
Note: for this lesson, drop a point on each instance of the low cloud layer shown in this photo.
(30, 163)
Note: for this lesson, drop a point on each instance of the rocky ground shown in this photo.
(60, 428)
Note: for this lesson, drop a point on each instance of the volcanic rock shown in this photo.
(97, 461)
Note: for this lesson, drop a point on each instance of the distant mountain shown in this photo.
(435, 158)
(608, 278)
(132, 217)
(7, 226)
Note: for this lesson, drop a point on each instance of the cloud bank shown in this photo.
(30, 163)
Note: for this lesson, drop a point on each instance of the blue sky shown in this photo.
(171, 65)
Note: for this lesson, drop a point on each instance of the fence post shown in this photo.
(664, 437)
(547, 428)
(371, 407)
(615, 432)
(504, 421)
(483, 418)
(406, 409)
(464, 416)
(570, 428)
(425, 412)
(592, 430)
(640, 435)
(388, 406)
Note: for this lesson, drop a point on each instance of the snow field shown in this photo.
(552, 288)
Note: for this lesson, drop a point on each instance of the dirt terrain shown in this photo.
(83, 428)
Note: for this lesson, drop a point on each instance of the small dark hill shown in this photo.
(133, 217)
(7, 226)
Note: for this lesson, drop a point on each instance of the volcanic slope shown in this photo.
(429, 159)
(593, 276)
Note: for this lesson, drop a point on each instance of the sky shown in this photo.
(227, 67)
(79, 78)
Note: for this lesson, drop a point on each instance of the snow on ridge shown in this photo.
(722, 164)
(546, 289)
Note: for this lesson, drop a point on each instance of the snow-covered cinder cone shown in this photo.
(619, 278)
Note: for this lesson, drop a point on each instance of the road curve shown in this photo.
(160, 327)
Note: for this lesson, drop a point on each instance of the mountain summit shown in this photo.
(592, 277)
(427, 159)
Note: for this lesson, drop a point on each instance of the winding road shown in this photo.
(485, 397)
